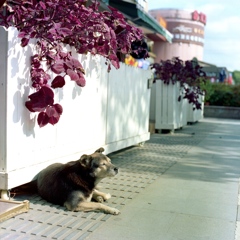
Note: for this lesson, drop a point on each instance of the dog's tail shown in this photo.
(28, 188)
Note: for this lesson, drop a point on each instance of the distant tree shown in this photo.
(236, 77)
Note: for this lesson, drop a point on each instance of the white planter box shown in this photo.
(111, 111)
(197, 114)
(152, 114)
(168, 112)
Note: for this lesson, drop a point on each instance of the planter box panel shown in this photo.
(197, 114)
(138, 106)
(133, 92)
(165, 107)
(170, 113)
(194, 115)
(128, 111)
(115, 108)
(183, 110)
(3, 91)
(84, 111)
(152, 115)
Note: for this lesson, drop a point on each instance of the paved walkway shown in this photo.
(196, 199)
(181, 186)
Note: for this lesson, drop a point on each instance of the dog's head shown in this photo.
(98, 165)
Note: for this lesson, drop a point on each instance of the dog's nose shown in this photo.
(116, 169)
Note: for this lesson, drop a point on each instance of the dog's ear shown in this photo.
(100, 150)
(85, 160)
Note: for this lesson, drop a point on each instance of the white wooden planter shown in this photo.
(168, 112)
(111, 111)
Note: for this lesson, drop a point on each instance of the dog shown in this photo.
(74, 184)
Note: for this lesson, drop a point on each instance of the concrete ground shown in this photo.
(196, 199)
(181, 186)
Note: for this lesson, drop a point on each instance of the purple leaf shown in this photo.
(54, 113)
(40, 100)
(52, 31)
(114, 61)
(81, 81)
(42, 5)
(42, 119)
(73, 63)
(64, 31)
(58, 108)
(73, 75)
(58, 67)
(24, 42)
(22, 34)
(58, 82)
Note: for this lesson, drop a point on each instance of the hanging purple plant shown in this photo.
(54, 23)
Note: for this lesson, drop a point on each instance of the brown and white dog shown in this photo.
(73, 184)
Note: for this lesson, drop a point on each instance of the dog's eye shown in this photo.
(95, 165)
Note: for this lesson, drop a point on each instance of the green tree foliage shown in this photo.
(220, 94)
(236, 77)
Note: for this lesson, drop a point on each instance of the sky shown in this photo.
(222, 31)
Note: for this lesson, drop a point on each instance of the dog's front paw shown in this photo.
(114, 211)
(107, 196)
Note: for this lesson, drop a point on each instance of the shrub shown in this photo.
(224, 95)
(188, 73)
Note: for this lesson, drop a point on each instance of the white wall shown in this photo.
(184, 51)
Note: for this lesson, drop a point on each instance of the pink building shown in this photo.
(187, 28)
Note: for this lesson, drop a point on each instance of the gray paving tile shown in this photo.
(193, 227)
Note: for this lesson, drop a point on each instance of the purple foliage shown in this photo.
(139, 49)
(51, 115)
(54, 23)
(58, 82)
(188, 73)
